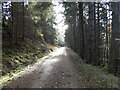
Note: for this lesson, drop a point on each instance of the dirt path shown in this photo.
(58, 71)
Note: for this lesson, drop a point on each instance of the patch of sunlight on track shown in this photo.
(59, 52)
(51, 61)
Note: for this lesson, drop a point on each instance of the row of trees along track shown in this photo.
(94, 32)
(21, 20)
(27, 32)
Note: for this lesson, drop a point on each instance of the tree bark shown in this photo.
(91, 33)
(115, 45)
(81, 31)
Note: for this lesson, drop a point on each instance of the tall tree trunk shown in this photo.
(91, 32)
(13, 26)
(115, 45)
(81, 31)
(95, 28)
(75, 32)
(98, 35)
(23, 31)
(107, 42)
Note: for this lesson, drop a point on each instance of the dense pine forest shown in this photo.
(26, 29)
(94, 33)
(29, 33)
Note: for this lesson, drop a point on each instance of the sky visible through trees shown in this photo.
(60, 20)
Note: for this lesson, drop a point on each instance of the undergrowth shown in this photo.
(20, 55)
(94, 74)
(17, 58)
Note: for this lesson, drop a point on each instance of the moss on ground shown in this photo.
(17, 58)
(23, 54)
(16, 73)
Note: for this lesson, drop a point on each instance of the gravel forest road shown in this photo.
(57, 71)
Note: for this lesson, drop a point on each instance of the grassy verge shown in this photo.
(95, 75)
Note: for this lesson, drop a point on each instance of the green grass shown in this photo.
(94, 74)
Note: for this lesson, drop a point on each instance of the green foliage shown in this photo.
(25, 31)
(24, 35)
(38, 33)
(32, 21)
(118, 39)
(21, 56)
(70, 20)
(43, 16)
(93, 32)
(105, 46)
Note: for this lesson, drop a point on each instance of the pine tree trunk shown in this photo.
(91, 33)
(23, 31)
(115, 45)
(81, 31)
